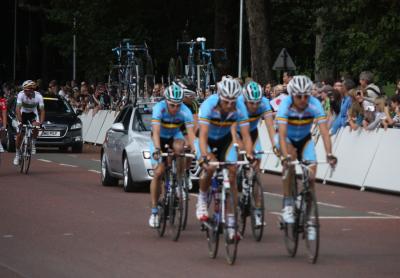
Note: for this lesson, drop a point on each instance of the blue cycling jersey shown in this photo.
(300, 122)
(264, 109)
(170, 124)
(220, 124)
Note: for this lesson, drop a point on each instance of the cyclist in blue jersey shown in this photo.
(257, 108)
(219, 116)
(168, 117)
(295, 117)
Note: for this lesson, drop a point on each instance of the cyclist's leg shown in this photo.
(204, 183)
(256, 165)
(310, 156)
(155, 190)
(288, 198)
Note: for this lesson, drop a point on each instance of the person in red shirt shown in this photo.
(3, 118)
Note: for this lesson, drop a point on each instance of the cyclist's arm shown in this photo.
(42, 115)
(282, 139)
(203, 136)
(195, 123)
(324, 131)
(270, 127)
(156, 136)
(18, 113)
(248, 143)
(191, 137)
(4, 115)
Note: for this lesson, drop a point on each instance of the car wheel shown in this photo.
(128, 182)
(106, 178)
(78, 148)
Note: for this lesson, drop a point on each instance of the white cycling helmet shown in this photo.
(174, 93)
(300, 85)
(253, 92)
(29, 85)
(229, 87)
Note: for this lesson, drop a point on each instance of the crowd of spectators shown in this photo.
(346, 103)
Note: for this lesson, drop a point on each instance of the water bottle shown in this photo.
(214, 188)
(311, 233)
(298, 201)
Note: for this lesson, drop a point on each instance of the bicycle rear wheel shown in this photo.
(311, 227)
(162, 216)
(231, 243)
(257, 207)
(175, 211)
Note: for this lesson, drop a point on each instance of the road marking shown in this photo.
(349, 217)
(68, 234)
(8, 236)
(95, 171)
(97, 160)
(330, 205)
(382, 214)
(44, 160)
(68, 165)
(320, 203)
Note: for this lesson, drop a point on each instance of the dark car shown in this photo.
(62, 128)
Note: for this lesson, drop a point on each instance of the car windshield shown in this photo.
(142, 122)
(56, 105)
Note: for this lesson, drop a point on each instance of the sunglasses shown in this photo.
(300, 97)
(254, 103)
(174, 105)
(228, 101)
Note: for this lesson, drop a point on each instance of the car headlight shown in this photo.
(76, 126)
(146, 154)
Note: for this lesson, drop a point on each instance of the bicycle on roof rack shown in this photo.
(199, 67)
(132, 71)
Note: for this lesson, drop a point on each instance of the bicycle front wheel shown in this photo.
(257, 209)
(185, 208)
(175, 211)
(25, 157)
(213, 226)
(311, 227)
(291, 231)
(231, 229)
(162, 216)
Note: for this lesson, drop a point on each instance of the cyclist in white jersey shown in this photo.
(28, 102)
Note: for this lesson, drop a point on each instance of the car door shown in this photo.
(112, 136)
(121, 140)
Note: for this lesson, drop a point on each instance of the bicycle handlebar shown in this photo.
(227, 163)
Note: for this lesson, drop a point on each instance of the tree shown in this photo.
(259, 35)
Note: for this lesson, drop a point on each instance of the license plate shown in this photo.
(50, 133)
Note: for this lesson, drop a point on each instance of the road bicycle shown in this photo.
(172, 206)
(251, 201)
(25, 149)
(305, 213)
(199, 68)
(220, 198)
(130, 74)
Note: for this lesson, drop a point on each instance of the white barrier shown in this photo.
(108, 121)
(384, 169)
(366, 158)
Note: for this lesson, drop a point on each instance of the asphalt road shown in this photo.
(58, 221)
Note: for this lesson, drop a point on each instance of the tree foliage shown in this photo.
(358, 34)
